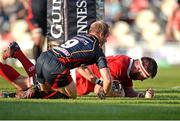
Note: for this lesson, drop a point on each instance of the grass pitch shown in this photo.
(165, 105)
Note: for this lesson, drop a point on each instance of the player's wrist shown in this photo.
(99, 82)
(141, 95)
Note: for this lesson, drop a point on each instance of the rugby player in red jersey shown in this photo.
(123, 69)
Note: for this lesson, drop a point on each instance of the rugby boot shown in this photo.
(7, 95)
(9, 52)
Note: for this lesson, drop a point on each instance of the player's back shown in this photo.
(79, 50)
(117, 64)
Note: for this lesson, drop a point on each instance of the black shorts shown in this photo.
(50, 69)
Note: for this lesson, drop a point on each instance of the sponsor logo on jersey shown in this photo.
(64, 51)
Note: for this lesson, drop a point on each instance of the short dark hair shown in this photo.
(150, 65)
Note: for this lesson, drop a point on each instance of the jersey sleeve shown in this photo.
(101, 60)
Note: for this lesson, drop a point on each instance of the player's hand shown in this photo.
(99, 91)
(25, 94)
(149, 93)
(101, 94)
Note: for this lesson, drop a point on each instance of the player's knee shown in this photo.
(71, 90)
(72, 93)
(21, 83)
(73, 96)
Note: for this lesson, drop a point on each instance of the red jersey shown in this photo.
(119, 67)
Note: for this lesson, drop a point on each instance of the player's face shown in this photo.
(136, 72)
(104, 39)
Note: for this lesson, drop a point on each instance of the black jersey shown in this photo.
(80, 50)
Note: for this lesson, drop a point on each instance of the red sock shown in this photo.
(8, 73)
(28, 66)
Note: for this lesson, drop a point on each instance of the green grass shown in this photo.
(165, 105)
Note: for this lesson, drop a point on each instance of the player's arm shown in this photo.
(130, 92)
(107, 80)
(112, 93)
(105, 77)
(87, 73)
(104, 71)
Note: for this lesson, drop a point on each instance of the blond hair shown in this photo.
(99, 27)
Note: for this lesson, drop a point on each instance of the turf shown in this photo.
(165, 105)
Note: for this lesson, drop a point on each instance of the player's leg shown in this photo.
(11, 75)
(51, 74)
(14, 51)
(54, 95)
(65, 84)
(71, 90)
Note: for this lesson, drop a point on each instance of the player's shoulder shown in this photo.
(121, 57)
(85, 37)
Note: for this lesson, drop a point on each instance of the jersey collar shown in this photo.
(129, 68)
